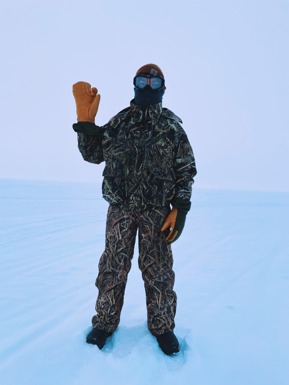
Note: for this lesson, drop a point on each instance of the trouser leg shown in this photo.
(114, 266)
(156, 264)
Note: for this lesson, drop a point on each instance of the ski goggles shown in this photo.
(155, 82)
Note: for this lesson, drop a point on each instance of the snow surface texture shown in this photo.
(232, 281)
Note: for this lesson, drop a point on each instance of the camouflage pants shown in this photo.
(155, 262)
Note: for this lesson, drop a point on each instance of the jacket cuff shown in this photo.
(86, 128)
(182, 204)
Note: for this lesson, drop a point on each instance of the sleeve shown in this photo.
(90, 141)
(185, 170)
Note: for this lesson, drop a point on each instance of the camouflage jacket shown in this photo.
(148, 158)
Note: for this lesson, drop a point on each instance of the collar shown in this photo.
(149, 114)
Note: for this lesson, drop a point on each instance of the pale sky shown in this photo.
(225, 62)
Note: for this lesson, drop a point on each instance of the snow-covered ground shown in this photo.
(232, 281)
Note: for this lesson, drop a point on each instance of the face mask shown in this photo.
(147, 96)
(148, 89)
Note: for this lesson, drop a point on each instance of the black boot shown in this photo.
(168, 343)
(97, 337)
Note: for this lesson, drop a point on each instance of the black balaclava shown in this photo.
(148, 96)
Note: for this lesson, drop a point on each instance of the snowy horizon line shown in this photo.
(99, 182)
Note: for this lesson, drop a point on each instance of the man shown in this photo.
(148, 177)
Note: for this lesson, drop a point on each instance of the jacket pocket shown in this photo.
(113, 185)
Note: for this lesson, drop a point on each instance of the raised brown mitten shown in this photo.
(87, 101)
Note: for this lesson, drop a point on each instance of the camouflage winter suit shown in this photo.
(149, 164)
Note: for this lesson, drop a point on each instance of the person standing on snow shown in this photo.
(148, 177)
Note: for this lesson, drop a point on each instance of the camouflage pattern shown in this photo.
(149, 164)
(155, 262)
(148, 159)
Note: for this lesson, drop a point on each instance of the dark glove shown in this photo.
(87, 128)
(176, 219)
